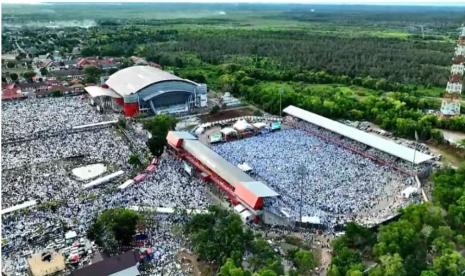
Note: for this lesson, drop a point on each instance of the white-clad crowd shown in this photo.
(29, 117)
(338, 185)
(40, 168)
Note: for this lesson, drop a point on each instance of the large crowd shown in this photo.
(335, 184)
(40, 169)
(28, 117)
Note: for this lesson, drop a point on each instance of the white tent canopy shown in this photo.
(311, 219)
(374, 141)
(242, 125)
(244, 167)
(228, 131)
(97, 91)
(409, 191)
(259, 125)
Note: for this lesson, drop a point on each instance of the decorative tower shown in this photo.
(452, 96)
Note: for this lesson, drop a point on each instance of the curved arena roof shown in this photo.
(132, 79)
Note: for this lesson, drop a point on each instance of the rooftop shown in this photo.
(132, 79)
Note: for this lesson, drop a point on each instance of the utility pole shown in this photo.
(280, 101)
(302, 171)
(415, 150)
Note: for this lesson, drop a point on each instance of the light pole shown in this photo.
(280, 101)
(302, 171)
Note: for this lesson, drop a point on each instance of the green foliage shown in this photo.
(218, 235)
(114, 228)
(229, 268)
(56, 93)
(122, 122)
(215, 109)
(449, 186)
(304, 261)
(449, 263)
(29, 75)
(14, 76)
(264, 258)
(134, 160)
(92, 74)
(158, 126)
(10, 64)
(390, 265)
(43, 71)
(425, 240)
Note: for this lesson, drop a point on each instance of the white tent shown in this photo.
(228, 131)
(311, 220)
(246, 216)
(244, 167)
(242, 125)
(70, 235)
(199, 131)
(259, 125)
(407, 192)
(239, 208)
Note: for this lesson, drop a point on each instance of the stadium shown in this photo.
(148, 90)
(314, 171)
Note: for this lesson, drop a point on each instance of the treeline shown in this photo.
(122, 41)
(396, 60)
(427, 240)
(400, 112)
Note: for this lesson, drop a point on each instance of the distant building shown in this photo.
(124, 264)
(146, 89)
(66, 74)
(47, 263)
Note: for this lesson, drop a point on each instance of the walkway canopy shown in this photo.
(374, 141)
(97, 91)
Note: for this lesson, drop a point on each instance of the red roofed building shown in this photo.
(11, 92)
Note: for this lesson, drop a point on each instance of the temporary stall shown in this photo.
(242, 125)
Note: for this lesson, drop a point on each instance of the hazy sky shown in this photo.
(377, 2)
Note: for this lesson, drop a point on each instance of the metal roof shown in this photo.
(132, 79)
(259, 189)
(215, 162)
(185, 135)
(96, 91)
(230, 173)
(369, 139)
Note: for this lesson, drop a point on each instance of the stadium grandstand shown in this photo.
(147, 89)
(371, 140)
(239, 187)
(314, 171)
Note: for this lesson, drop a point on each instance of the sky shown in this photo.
(367, 2)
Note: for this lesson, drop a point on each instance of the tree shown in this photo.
(457, 212)
(304, 261)
(158, 127)
(56, 93)
(450, 263)
(29, 75)
(92, 74)
(43, 71)
(390, 265)
(10, 64)
(215, 109)
(114, 225)
(134, 160)
(14, 77)
(229, 268)
(218, 235)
